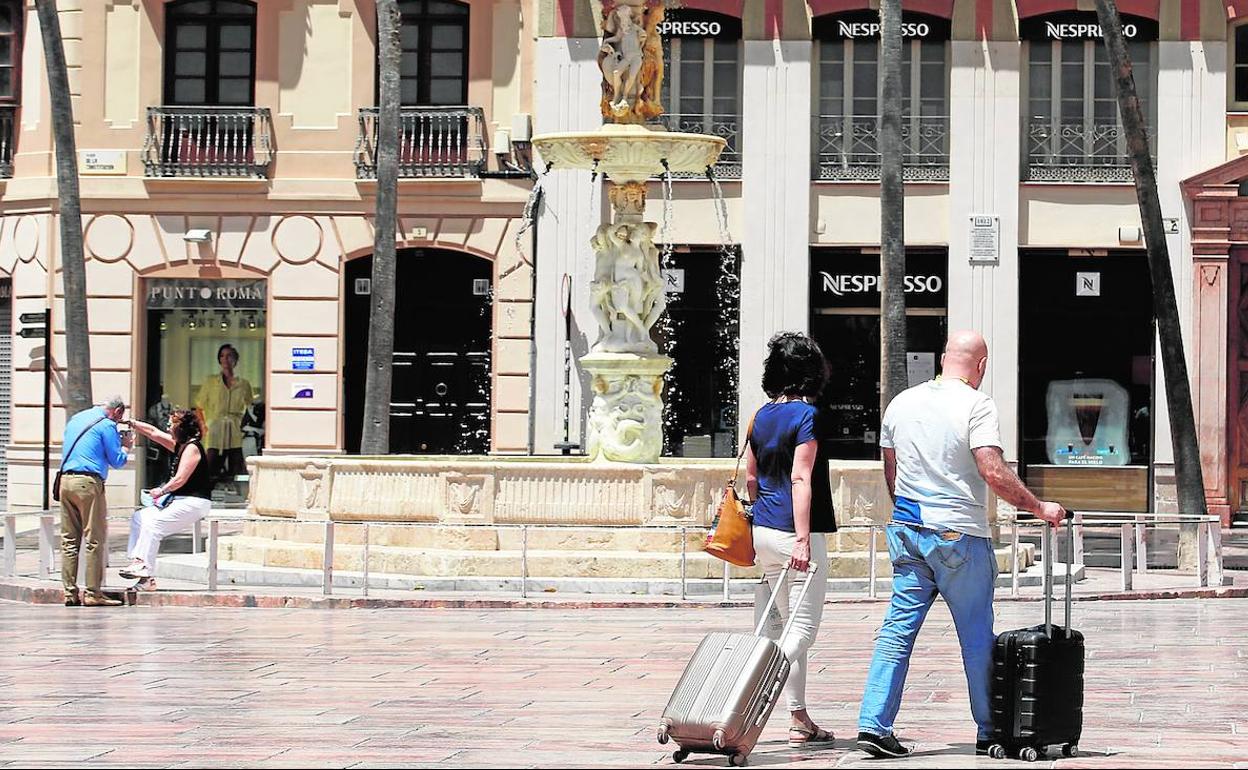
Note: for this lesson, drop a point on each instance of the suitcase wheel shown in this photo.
(737, 760)
(679, 755)
(996, 751)
(717, 740)
(1070, 750)
(1028, 753)
(663, 739)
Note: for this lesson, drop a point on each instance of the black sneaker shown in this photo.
(981, 747)
(882, 748)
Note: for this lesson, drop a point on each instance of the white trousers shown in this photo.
(150, 525)
(773, 548)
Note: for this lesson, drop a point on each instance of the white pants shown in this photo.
(150, 525)
(773, 549)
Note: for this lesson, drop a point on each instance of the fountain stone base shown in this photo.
(626, 417)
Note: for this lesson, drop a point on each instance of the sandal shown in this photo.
(808, 736)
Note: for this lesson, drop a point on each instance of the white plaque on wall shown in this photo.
(102, 162)
(985, 239)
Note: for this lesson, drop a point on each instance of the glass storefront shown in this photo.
(700, 334)
(1086, 371)
(845, 321)
(188, 322)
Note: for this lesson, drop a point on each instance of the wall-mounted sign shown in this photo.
(302, 390)
(199, 294)
(683, 22)
(674, 280)
(363, 286)
(1083, 25)
(865, 25)
(852, 279)
(1087, 284)
(101, 162)
(480, 287)
(985, 239)
(303, 359)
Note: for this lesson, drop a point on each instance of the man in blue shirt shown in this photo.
(92, 446)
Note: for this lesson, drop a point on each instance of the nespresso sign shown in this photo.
(865, 25)
(849, 279)
(1083, 26)
(699, 24)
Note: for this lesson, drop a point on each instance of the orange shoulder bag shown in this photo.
(732, 538)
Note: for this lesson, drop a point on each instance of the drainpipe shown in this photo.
(537, 206)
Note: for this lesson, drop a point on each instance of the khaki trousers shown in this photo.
(84, 519)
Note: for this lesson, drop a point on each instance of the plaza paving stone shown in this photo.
(1167, 686)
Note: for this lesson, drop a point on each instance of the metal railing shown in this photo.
(726, 127)
(8, 137)
(226, 142)
(1210, 569)
(847, 147)
(434, 142)
(1076, 151)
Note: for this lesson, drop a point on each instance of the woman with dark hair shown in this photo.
(791, 510)
(178, 503)
(224, 397)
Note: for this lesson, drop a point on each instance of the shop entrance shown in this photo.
(1085, 382)
(700, 403)
(443, 329)
(188, 321)
(845, 321)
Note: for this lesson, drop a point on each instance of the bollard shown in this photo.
(1127, 541)
(1077, 558)
(214, 535)
(47, 563)
(1202, 554)
(684, 592)
(725, 581)
(1215, 554)
(10, 544)
(327, 561)
(1014, 554)
(1141, 545)
(364, 558)
(871, 565)
(524, 561)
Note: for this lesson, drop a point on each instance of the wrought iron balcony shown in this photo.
(847, 147)
(434, 142)
(8, 137)
(1076, 151)
(228, 142)
(727, 127)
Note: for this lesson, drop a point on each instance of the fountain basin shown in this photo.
(629, 153)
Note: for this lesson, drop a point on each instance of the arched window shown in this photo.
(210, 53)
(434, 69)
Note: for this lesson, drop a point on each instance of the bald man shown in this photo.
(942, 451)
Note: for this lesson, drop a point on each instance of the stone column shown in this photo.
(775, 187)
(983, 180)
(567, 100)
(1208, 365)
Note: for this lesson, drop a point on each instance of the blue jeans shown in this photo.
(962, 569)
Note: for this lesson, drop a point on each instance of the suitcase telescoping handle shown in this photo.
(1046, 543)
(771, 601)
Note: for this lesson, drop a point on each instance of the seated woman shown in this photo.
(190, 487)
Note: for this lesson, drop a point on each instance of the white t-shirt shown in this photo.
(933, 427)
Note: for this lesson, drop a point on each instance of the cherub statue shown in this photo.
(621, 56)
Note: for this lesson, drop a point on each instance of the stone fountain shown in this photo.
(627, 292)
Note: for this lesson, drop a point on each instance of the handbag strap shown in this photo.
(74, 444)
(744, 445)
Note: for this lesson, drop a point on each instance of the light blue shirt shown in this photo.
(99, 448)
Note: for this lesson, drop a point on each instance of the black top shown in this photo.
(822, 512)
(200, 482)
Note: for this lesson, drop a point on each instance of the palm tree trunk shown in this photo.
(1191, 486)
(892, 212)
(377, 382)
(73, 267)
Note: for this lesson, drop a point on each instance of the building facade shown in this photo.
(226, 152)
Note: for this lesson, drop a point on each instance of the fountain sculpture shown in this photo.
(627, 291)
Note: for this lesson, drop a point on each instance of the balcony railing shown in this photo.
(8, 134)
(228, 142)
(436, 142)
(847, 147)
(1076, 151)
(727, 127)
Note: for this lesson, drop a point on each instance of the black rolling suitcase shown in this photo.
(1037, 677)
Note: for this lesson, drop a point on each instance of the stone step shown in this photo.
(540, 538)
(560, 563)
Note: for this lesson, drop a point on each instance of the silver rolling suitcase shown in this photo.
(728, 689)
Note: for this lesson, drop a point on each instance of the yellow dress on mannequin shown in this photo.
(223, 409)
